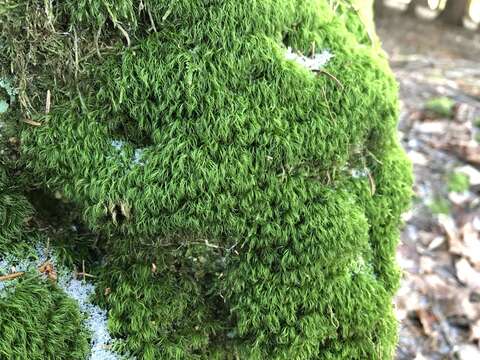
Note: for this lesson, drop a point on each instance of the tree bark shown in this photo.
(454, 12)
(378, 8)
(412, 7)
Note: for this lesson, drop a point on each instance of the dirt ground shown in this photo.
(438, 69)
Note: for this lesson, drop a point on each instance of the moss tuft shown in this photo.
(248, 206)
(442, 106)
(458, 182)
(38, 321)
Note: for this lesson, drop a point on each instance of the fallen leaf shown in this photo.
(475, 331)
(48, 269)
(427, 319)
(431, 127)
(467, 274)
(436, 243)
(448, 224)
(427, 264)
(471, 244)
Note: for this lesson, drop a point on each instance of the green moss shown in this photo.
(476, 122)
(458, 182)
(15, 210)
(442, 106)
(159, 301)
(268, 196)
(439, 206)
(38, 321)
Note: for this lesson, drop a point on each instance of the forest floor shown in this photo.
(438, 304)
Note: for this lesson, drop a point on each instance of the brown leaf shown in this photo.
(427, 264)
(471, 244)
(475, 331)
(467, 274)
(428, 320)
(448, 225)
(48, 269)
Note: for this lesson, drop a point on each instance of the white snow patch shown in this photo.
(314, 63)
(119, 146)
(359, 173)
(96, 317)
(81, 291)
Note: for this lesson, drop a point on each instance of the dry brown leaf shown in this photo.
(431, 127)
(436, 287)
(427, 264)
(428, 320)
(448, 225)
(467, 274)
(471, 244)
(436, 243)
(48, 269)
(475, 331)
(460, 305)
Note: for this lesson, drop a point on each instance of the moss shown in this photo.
(38, 321)
(439, 206)
(266, 196)
(160, 303)
(442, 106)
(458, 182)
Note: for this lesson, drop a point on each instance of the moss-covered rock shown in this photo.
(240, 161)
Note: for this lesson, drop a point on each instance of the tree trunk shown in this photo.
(454, 12)
(412, 7)
(378, 8)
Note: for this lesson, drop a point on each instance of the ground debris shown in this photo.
(438, 304)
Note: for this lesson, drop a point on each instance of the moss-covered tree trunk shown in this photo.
(231, 170)
(454, 12)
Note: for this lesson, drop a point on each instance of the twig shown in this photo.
(97, 39)
(84, 274)
(31, 122)
(151, 20)
(323, 71)
(75, 48)
(48, 102)
(373, 187)
(83, 269)
(122, 30)
(11, 276)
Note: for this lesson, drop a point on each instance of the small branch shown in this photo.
(84, 274)
(48, 102)
(125, 34)
(31, 122)
(11, 276)
(322, 71)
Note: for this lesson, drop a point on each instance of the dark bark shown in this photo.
(412, 7)
(454, 12)
(378, 8)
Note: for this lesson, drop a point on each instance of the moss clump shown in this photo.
(439, 206)
(38, 321)
(458, 182)
(442, 106)
(14, 211)
(267, 196)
